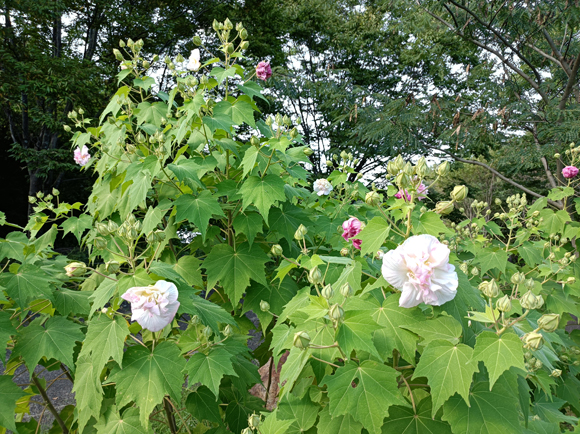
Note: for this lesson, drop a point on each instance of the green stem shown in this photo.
(170, 416)
(51, 408)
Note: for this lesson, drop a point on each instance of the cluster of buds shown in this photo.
(156, 236)
(532, 364)
(42, 201)
(128, 231)
(459, 194)
(224, 31)
(531, 301)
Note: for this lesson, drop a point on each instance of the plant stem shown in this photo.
(410, 394)
(49, 405)
(170, 416)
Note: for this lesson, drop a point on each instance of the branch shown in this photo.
(49, 405)
(571, 83)
(547, 56)
(499, 175)
(543, 159)
(563, 62)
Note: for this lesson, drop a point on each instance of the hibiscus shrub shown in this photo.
(376, 314)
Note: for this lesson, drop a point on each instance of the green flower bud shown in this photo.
(207, 332)
(121, 43)
(464, 267)
(254, 421)
(197, 41)
(276, 250)
(301, 340)
(399, 163)
(244, 34)
(112, 267)
(228, 331)
(346, 290)
(344, 252)
(300, 232)
(408, 169)
(55, 192)
(264, 306)
(533, 341)
(556, 373)
(230, 48)
(504, 304)
(327, 292)
(421, 167)
(31, 199)
(228, 24)
(498, 201)
(100, 243)
(194, 320)
(557, 155)
(475, 271)
(244, 45)
(67, 128)
(392, 168)
(112, 226)
(459, 193)
(118, 54)
(308, 152)
(336, 312)
(215, 25)
(372, 198)
(269, 121)
(571, 280)
(549, 322)
(489, 288)
(315, 276)
(518, 278)
(444, 207)
(146, 64)
(528, 300)
(443, 169)
(75, 269)
(402, 180)
(329, 163)
(278, 119)
(530, 283)
(102, 229)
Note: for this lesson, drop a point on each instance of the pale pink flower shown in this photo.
(421, 193)
(351, 228)
(322, 187)
(194, 63)
(82, 156)
(153, 307)
(420, 269)
(263, 71)
(570, 171)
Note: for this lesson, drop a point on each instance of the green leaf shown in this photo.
(239, 112)
(302, 410)
(548, 409)
(28, 284)
(499, 353)
(68, 301)
(144, 83)
(87, 389)
(112, 423)
(234, 269)
(198, 210)
(286, 219)
(6, 330)
(374, 235)
(105, 340)
(249, 224)
(273, 425)
(276, 295)
(489, 413)
(9, 394)
(489, 258)
(252, 89)
(103, 294)
(210, 369)
(531, 254)
(188, 268)
(448, 369)
(292, 368)
(355, 332)
(264, 193)
(364, 392)
(210, 314)
(391, 317)
(55, 340)
(404, 420)
(444, 327)
(148, 376)
(220, 73)
(202, 405)
(249, 161)
(344, 424)
(553, 222)
(77, 225)
(151, 113)
(429, 223)
(188, 171)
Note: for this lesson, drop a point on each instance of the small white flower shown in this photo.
(420, 269)
(194, 63)
(322, 187)
(153, 307)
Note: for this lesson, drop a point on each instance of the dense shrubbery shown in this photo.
(203, 212)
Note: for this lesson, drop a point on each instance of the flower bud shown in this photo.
(549, 322)
(530, 283)
(372, 198)
(308, 152)
(533, 341)
(327, 292)
(379, 255)
(75, 269)
(556, 373)
(215, 25)
(504, 304)
(112, 267)
(112, 226)
(264, 306)
(207, 332)
(421, 167)
(31, 199)
(300, 232)
(269, 121)
(475, 271)
(102, 229)
(464, 267)
(194, 320)
(301, 340)
(444, 207)
(197, 40)
(278, 119)
(443, 169)
(489, 288)
(230, 48)
(346, 290)
(276, 250)
(66, 128)
(247, 431)
(344, 252)
(315, 276)
(402, 180)
(100, 243)
(118, 54)
(244, 45)
(254, 421)
(244, 34)
(571, 280)
(459, 193)
(518, 278)
(336, 312)
(228, 330)
(392, 168)
(528, 300)
(228, 24)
